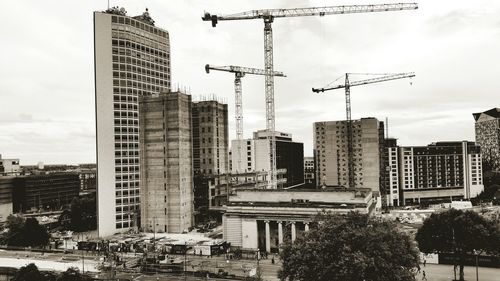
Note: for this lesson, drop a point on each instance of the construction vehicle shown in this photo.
(268, 15)
(347, 86)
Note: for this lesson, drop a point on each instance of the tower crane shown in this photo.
(347, 86)
(268, 15)
(239, 72)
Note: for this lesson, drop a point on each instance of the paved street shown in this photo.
(61, 261)
(438, 272)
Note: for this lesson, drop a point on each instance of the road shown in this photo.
(441, 272)
(269, 270)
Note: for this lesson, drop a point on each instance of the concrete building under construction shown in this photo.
(210, 150)
(166, 163)
(331, 153)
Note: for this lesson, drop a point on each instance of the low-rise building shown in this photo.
(260, 219)
(44, 192)
(9, 167)
(6, 186)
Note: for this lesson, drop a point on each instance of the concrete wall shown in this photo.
(166, 158)
(288, 195)
(249, 233)
(331, 152)
(104, 125)
(420, 193)
(5, 210)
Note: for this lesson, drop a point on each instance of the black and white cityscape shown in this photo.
(250, 140)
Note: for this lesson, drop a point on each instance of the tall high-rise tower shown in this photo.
(488, 136)
(131, 59)
(166, 163)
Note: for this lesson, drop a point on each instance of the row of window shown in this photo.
(138, 24)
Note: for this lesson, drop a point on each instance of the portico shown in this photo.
(264, 219)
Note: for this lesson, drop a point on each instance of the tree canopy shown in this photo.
(28, 273)
(459, 232)
(72, 274)
(25, 233)
(350, 247)
(31, 273)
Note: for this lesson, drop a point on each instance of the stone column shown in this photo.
(268, 237)
(306, 226)
(280, 232)
(294, 232)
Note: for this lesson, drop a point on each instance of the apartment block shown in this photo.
(487, 129)
(131, 60)
(441, 171)
(331, 153)
(166, 162)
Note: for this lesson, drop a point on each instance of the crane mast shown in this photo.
(347, 86)
(268, 15)
(239, 72)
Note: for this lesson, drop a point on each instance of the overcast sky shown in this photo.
(47, 73)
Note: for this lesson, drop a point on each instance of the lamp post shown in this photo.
(477, 262)
(185, 252)
(83, 262)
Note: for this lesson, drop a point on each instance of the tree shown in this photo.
(459, 232)
(28, 273)
(13, 236)
(35, 234)
(350, 247)
(25, 233)
(72, 274)
(76, 214)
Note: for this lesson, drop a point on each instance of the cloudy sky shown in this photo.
(47, 79)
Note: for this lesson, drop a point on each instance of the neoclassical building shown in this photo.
(263, 219)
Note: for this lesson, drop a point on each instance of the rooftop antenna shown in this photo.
(108, 4)
(386, 127)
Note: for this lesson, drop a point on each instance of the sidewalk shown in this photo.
(441, 272)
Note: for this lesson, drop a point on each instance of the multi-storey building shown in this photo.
(6, 186)
(9, 167)
(132, 59)
(210, 137)
(392, 195)
(309, 172)
(210, 150)
(166, 162)
(252, 155)
(44, 192)
(488, 136)
(433, 173)
(331, 153)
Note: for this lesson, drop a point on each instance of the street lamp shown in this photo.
(185, 252)
(477, 262)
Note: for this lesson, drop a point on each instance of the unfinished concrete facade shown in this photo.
(210, 151)
(330, 149)
(210, 137)
(166, 163)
